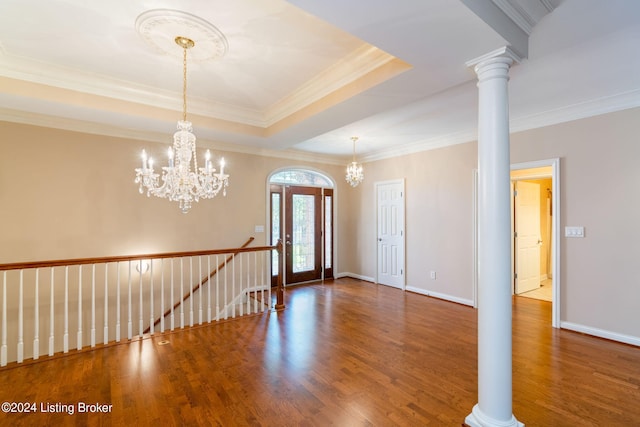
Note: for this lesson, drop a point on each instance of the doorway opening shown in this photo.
(535, 223)
(531, 220)
(301, 213)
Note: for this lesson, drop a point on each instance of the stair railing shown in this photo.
(55, 300)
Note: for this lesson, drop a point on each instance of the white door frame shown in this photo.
(555, 233)
(376, 185)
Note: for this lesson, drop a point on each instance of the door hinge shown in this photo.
(515, 234)
(401, 272)
(401, 233)
(515, 193)
(515, 276)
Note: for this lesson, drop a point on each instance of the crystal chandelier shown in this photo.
(179, 182)
(354, 169)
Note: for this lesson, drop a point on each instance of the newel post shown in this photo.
(279, 286)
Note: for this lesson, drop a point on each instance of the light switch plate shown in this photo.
(259, 229)
(574, 232)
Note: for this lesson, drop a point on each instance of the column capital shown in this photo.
(503, 54)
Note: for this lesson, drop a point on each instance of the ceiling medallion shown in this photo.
(158, 27)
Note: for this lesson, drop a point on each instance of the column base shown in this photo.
(478, 419)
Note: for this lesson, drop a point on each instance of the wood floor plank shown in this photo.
(342, 353)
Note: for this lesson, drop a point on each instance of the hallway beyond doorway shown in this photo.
(544, 292)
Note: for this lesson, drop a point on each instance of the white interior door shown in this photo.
(390, 223)
(527, 239)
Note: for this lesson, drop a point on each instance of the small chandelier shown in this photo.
(179, 182)
(354, 169)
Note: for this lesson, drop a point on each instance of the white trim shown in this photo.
(354, 276)
(504, 51)
(601, 333)
(438, 295)
(555, 239)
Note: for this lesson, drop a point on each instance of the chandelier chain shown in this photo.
(184, 84)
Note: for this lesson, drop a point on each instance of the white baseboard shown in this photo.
(543, 277)
(355, 276)
(601, 333)
(440, 296)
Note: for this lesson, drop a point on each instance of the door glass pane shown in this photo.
(303, 233)
(327, 231)
(275, 231)
(301, 177)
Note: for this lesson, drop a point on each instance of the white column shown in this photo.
(494, 407)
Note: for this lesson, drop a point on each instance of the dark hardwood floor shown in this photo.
(343, 353)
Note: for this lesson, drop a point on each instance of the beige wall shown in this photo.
(599, 180)
(71, 195)
(439, 219)
(599, 183)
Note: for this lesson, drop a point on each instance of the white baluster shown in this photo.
(233, 288)
(255, 282)
(200, 290)
(242, 293)
(51, 315)
(268, 259)
(65, 337)
(181, 293)
(79, 336)
(105, 329)
(3, 349)
(217, 290)
(129, 315)
(209, 288)
(225, 302)
(93, 305)
(152, 321)
(162, 295)
(262, 283)
(247, 287)
(171, 303)
(118, 301)
(190, 291)
(20, 321)
(249, 283)
(36, 319)
(140, 315)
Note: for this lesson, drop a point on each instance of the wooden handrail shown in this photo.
(104, 260)
(202, 281)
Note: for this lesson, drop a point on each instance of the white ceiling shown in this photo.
(301, 77)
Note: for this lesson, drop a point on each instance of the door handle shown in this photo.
(379, 239)
(288, 243)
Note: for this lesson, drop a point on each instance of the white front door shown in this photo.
(390, 235)
(527, 239)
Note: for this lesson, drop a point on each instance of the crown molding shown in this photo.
(591, 108)
(583, 110)
(93, 128)
(349, 69)
(361, 62)
(517, 14)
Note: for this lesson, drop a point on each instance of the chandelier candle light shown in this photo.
(355, 174)
(179, 182)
